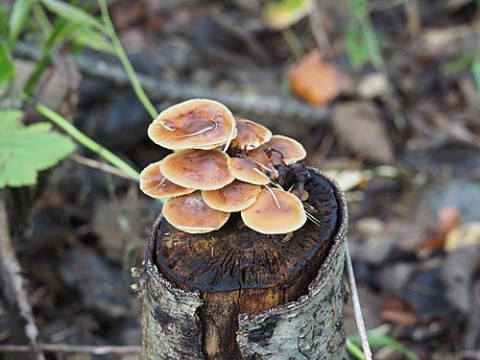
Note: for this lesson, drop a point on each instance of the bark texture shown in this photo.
(181, 323)
(309, 328)
(171, 327)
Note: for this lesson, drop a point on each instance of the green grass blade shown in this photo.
(355, 350)
(90, 144)
(18, 16)
(476, 71)
(71, 13)
(382, 340)
(125, 62)
(7, 68)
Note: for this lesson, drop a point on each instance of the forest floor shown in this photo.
(400, 135)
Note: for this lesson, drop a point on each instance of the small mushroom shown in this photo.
(189, 213)
(235, 196)
(279, 150)
(154, 184)
(250, 135)
(193, 124)
(275, 211)
(197, 169)
(248, 170)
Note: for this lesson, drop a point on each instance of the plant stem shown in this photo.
(124, 60)
(357, 309)
(87, 142)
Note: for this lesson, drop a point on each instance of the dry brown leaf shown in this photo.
(314, 80)
(398, 312)
(448, 218)
(360, 128)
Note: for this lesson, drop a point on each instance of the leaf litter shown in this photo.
(412, 230)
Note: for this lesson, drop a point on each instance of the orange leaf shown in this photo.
(314, 80)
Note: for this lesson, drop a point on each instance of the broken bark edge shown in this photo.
(310, 327)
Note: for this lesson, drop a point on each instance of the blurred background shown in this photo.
(384, 95)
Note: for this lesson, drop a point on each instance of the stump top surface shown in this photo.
(238, 258)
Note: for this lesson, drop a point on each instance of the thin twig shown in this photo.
(86, 349)
(98, 165)
(13, 284)
(357, 310)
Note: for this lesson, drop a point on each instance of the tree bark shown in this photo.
(237, 294)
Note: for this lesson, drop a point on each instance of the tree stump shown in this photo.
(237, 294)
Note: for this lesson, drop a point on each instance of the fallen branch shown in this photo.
(13, 284)
(268, 108)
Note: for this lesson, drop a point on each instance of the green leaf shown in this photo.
(7, 68)
(24, 151)
(282, 14)
(41, 18)
(4, 20)
(357, 49)
(355, 350)
(93, 39)
(18, 16)
(377, 340)
(72, 13)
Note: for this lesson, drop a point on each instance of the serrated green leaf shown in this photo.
(18, 16)
(7, 68)
(24, 151)
(72, 13)
(282, 14)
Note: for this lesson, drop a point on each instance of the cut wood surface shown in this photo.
(238, 294)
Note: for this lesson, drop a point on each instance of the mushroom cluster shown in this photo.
(221, 165)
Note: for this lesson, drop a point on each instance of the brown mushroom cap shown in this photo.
(250, 135)
(193, 124)
(275, 215)
(247, 170)
(154, 184)
(197, 169)
(235, 196)
(189, 213)
(281, 149)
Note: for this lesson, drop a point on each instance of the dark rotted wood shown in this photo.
(239, 271)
